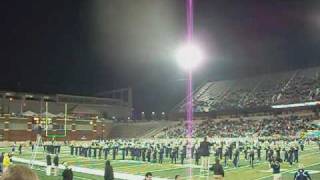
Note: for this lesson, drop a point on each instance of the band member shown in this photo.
(20, 149)
(123, 151)
(106, 152)
(149, 155)
(161, 153)
(236, 158)
(113, 152)
(174, 156)
(259, 152)
(72, 149)
(251, 157)
(197, 156)
(154, 154)
(183, 153)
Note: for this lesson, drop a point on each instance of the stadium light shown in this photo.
(189, 56)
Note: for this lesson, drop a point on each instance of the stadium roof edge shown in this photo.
(50, 96)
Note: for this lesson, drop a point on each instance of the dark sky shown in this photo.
(87, 46)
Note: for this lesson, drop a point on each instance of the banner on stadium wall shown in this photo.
(296, 105)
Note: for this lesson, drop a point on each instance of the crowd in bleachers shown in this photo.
(288, 126)
(283, 126)
(261, 91)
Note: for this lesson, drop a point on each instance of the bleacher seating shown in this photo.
(241, 127)
(261, 91)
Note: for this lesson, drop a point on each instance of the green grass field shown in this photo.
(310, 158)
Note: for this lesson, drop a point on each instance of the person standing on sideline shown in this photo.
(56, 164)
(49, 163)
(275, 165)
(301, 174)
(14, 147)
(217, 170)
(108, 171)
(67, 173)
(6, 162)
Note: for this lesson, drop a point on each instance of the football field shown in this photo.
(310, 158)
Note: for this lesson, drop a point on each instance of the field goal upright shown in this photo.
(49, 126)
(54, 129)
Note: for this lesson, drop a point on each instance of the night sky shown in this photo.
(85, 46)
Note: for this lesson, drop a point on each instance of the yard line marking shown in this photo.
(236, 169)
(76, 177)
(287, 171)
(91, 171)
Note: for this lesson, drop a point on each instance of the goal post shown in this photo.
(54, 128)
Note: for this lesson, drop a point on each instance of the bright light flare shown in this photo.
(189, 56)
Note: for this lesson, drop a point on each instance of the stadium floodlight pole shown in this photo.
(189, 57)
(65, 119)
(46, 118)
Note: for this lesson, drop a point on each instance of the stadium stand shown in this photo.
(289, 126)
(262, 91)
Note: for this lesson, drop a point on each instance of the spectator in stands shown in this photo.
(285, 126)
(67, 173)
(148, 176)
(217, 170)
(301, 174)
(108, 171)
(19, 172)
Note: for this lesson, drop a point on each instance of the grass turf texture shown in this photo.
(310, 158)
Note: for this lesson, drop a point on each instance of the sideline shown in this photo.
(88, 170)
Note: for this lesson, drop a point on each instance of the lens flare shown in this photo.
(189, 56)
